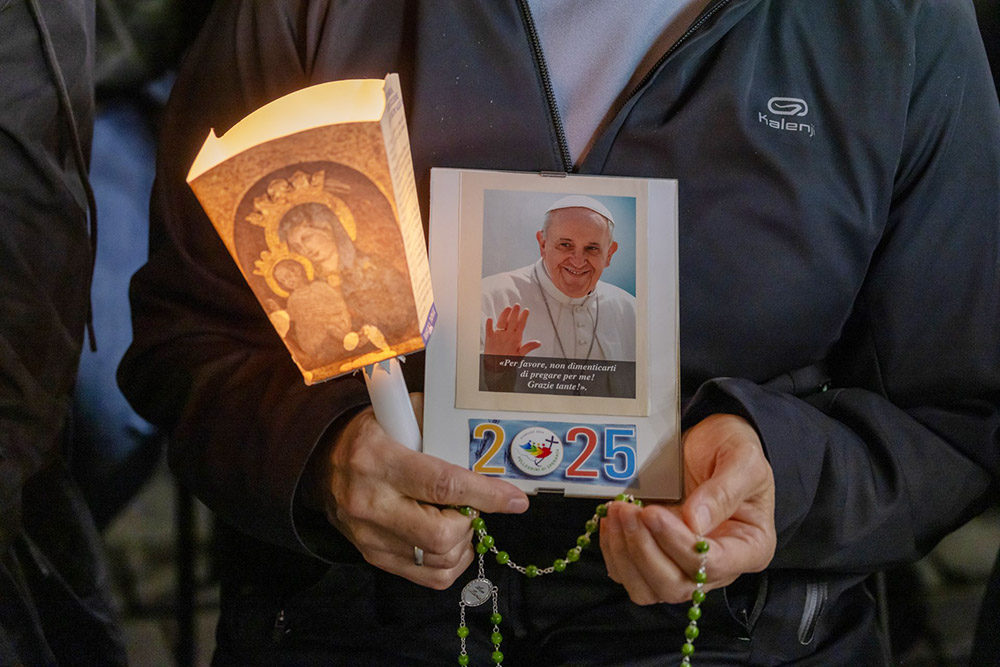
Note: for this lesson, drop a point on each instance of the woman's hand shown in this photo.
(650, 550)
(387, 500)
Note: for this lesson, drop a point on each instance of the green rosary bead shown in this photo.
(478, 524)
(691, 632)
(463, 631)
(590, 526)
(573, 555)
(497, 657)
(463, 659)
(583, 541)
(602, 510)
(503, 557)
(496, 638)
(531, 571)
(488, 541)
(467, 511)
(621, 496)
(481, 548)
(495, 618)
(559, 565)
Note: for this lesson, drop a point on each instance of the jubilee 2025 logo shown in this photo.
(536, 451)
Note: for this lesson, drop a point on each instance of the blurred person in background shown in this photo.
(55, 607)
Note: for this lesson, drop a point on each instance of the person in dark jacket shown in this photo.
(839, 178)
(55, 605)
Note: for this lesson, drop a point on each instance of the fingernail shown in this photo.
(703, 518)
(517, 505)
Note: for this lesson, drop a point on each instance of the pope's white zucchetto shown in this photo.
(582, 201)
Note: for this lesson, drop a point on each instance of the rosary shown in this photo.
(481, 590)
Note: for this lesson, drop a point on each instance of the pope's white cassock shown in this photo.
(598, 326)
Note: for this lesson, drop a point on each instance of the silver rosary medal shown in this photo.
(477, 592)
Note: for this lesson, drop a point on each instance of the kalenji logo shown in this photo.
(787, 106)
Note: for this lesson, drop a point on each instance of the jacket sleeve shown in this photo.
(205, 363)
(903, 445)
(45, 249)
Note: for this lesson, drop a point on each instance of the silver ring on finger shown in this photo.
(418, 556)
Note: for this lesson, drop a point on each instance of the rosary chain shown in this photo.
(487, 544)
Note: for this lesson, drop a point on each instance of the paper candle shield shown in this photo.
(314, 197)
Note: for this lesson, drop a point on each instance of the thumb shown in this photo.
(738, 472)
(428, 479)
(528, 347)
(709, 505)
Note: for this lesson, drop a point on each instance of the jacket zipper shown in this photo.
(695, 27)
(813, 609)
(550, 95)
(280, 628)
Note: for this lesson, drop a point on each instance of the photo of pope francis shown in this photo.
(558, 307)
